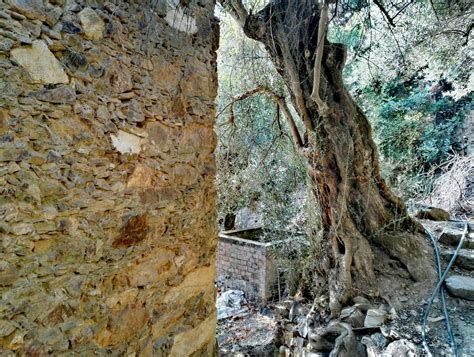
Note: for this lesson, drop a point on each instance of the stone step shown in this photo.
(452, 235)
(461, 286)
(464, 259)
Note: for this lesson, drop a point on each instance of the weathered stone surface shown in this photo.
(352, 316)
(40, 63)
(177, 18)
(433, 214)
(92, 24)
(452, 236)
(33, 9)
(401, 348)
(461, 286)
(375, 317)
(464, 259)
(60, 95)
(107, 201)
(127, 143)
(201, 336)
(6, 328)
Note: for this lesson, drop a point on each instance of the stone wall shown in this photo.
(107, 200)
(246, 265)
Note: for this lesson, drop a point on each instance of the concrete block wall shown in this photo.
(246, 265)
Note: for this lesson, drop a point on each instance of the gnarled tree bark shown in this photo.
(359, 212)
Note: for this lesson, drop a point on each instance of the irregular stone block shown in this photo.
(92, 24)
(461, 286)
(353, 316)
(40, 63)
(374, 318)
(464, 259)
(61, 95)
(32, 9)
(452, 236)
(127, 143)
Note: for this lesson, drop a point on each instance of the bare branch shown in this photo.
(323, 23)
(281, 103)
(241, 97)
(384, 12)
(289, 118)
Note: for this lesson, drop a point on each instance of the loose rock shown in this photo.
(464, 259)
(374, 318)
(452, 236)
(461, 286)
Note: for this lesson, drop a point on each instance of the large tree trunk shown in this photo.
(359, 212)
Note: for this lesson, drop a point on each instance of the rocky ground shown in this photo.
(388, 325)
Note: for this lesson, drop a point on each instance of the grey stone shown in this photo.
(379, 340)
(6, 328)
(374, 318)
(353, 316)
(452, 236)
(461, 286)
(248, 218)
(53, 15)
(135, 112)
(297, 309)
(32, 9)
(362, 303)
(61, 95)
(401, 348)
(5, 45)
(464, 259)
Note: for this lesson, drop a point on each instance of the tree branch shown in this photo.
(384, 12)
(323, 23)
(280, 101)
(294, 80)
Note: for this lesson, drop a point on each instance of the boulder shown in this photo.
(432, 213)
(40, 63)
(461, 286)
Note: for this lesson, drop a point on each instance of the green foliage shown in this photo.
(414, 126)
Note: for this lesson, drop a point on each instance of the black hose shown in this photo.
(439, 289)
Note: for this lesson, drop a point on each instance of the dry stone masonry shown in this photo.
(107, 201)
